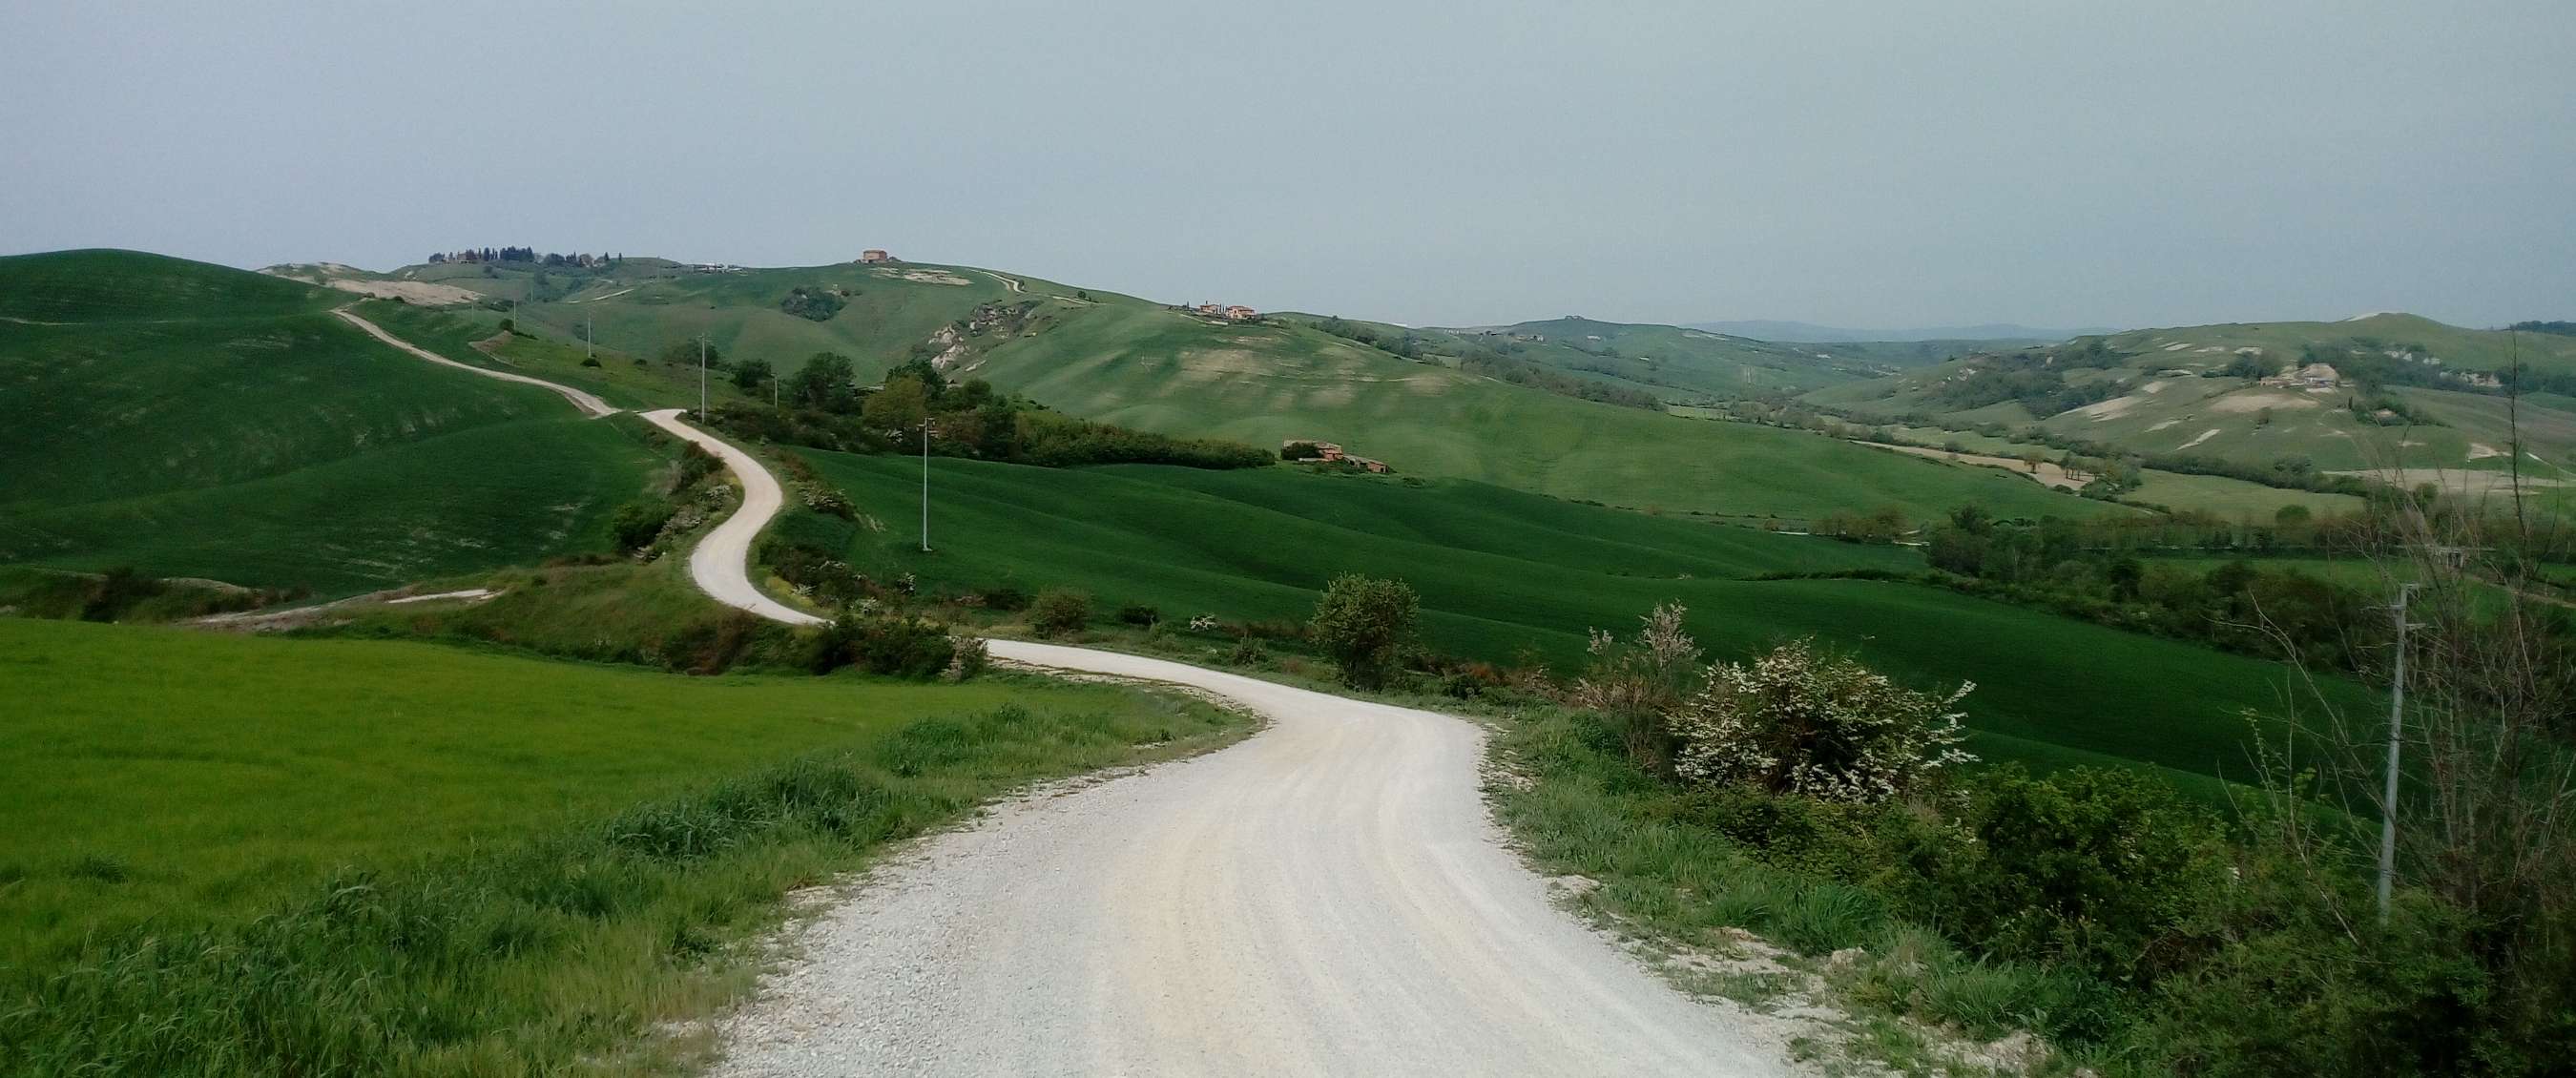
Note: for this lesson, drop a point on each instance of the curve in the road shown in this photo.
(589, 403)
(1328, 897)
(721, 563)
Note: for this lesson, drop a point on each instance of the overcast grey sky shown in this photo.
(2053, 162)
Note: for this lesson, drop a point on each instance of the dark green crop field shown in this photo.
(192, 420)
(1500, 571)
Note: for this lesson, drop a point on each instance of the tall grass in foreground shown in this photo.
(562, 955)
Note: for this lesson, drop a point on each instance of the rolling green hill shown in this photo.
(1670, 363)
(1499, 571)
(2411, 397)
(193, 420)
(1145, 365)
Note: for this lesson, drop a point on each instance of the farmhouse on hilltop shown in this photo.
(874, 256)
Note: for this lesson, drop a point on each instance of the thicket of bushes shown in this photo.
(2127, 921)
(825, 409)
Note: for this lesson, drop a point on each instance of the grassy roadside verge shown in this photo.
(493, 865)
(1719, 922)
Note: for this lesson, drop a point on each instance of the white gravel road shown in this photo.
(590, 404)
(719, 563)
(1328, 897)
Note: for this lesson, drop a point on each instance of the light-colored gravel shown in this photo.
(719, 564)
(1329, 897)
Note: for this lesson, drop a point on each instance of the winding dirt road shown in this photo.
(721, 562)
(1328, 897)
(589, 404)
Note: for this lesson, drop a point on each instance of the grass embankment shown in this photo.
(1578, 807)
(197, 421)
(1499, 571)
(256, 856)
(649, 615)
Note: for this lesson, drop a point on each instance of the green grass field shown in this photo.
(193, 420)
(1499, 571)
(473, 335)
(249, 855)
(1672, 362)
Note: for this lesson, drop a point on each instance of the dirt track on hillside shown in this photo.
(589, 404)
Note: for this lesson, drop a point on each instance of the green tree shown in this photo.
(749, 374)
(827, 381)
(1363, 624)
(900, 406)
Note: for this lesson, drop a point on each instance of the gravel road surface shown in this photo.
(1328, 897)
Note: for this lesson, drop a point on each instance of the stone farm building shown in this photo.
(873, 256)
(1234, 312)
(1332, 453)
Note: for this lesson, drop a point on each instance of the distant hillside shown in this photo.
(1680, 364)
(2388, 390)
(195, 420)
(1158, 367)
(1809, 333)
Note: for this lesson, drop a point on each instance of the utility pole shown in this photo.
(925, 480)
(773, 392)
(2396, 729)
(585, 336)
(702, 378)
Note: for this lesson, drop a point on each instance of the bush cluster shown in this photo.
(892, 645)
(1364, 624)
(824, 407)
(1060, 612)
(2102, 907)
(1803, 721)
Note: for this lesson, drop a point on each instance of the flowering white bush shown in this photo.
(1203, 623)
(1797, 721)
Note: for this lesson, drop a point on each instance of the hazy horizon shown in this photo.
(1838, 165)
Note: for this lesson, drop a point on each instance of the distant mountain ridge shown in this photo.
(1809, 333)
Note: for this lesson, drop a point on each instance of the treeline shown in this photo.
(817, 304)
(524, 255)
(2563, 329)
(2243, 606)
(822, 406)
(2035, 378)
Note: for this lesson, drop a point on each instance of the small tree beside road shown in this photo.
(1362, 624)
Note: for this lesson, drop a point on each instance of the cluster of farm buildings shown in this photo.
(1329, 453)
(1233, 312)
